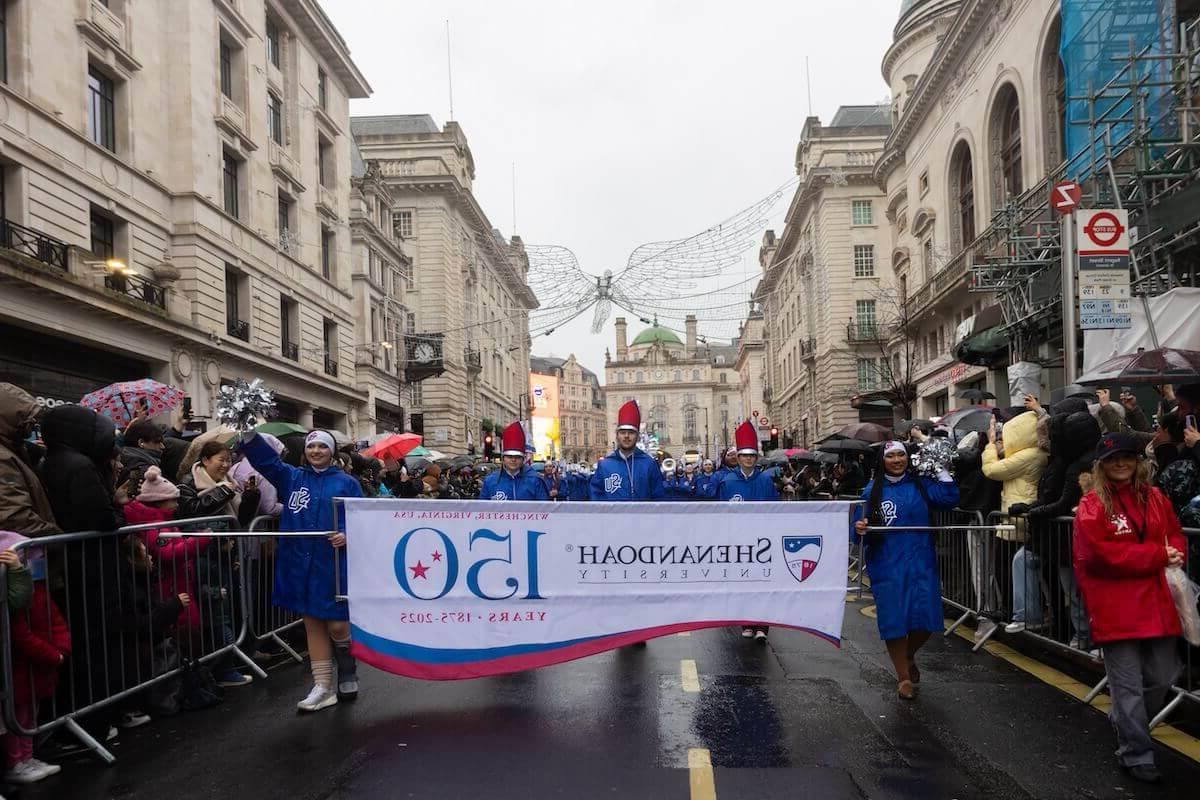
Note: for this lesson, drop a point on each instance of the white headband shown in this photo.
(894, 447)
(320, 437)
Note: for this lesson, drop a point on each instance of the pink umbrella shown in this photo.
(121, 401)
(394, 447)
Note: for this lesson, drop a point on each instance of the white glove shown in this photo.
(944, 476)
(248, 435)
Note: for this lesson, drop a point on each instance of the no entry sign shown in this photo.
(1065, 197)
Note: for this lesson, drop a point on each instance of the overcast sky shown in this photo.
(628, 122)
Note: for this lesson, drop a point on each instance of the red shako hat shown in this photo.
(746, 438)
(512, 441)
(629, 417)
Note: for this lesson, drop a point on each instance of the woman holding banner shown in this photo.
(903, 565)
(305, 565)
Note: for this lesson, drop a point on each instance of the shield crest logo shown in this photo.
(802, 554)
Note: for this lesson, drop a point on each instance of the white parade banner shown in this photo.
(462, 589)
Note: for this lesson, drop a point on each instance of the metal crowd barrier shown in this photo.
(130, 636)
(1188, 687)
(268, 622)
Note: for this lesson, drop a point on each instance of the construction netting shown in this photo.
(1111, 52)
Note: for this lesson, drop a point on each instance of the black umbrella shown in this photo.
(962, 421)
(816, 458)
(1161, 365)
(775, 458)
(975, 395)
(845, 446)
(416, 462)
(907, 425)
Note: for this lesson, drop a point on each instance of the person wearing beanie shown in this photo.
(1126, 535)
(903, 562)
(305, 577)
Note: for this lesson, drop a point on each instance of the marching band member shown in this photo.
(628, 473)
(748, 484)
(706, 481)
(515, 480)
(904, 566)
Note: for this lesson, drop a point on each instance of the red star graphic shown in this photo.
(437, 556)
(419, 570)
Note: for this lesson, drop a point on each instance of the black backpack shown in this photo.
(198, 688)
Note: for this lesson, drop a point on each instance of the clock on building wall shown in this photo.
(424, 356)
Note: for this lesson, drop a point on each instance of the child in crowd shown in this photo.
(218, 565)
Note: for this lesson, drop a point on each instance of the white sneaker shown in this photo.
(320, 697)
(133, 719)
(54, 768)
(747, 633)
(760, 636)
(31, 771)
(1014, 627)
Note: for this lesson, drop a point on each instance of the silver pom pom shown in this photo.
(243, 405)
(934, 456)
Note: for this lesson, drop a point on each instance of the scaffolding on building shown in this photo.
(1135, 132)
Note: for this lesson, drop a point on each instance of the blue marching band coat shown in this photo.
(304, 565)
(903, 566)
(637, 478)
(706, 486)
(525, 485)
(736, 487)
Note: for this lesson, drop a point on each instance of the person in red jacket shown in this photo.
(41, 643)
(1126, 534)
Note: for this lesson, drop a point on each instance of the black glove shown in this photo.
(1018, 509)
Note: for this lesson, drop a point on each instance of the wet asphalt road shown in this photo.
(796, 718)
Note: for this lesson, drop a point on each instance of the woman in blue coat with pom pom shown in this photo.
(305, 565)
(903, 566)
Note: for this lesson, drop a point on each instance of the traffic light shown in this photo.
(488, 450)
(774, 437)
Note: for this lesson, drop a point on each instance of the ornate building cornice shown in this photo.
(974, 28)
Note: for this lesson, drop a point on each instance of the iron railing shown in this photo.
(331, 367)
(137, 288)
(238, 328)
(34, 244)
(291, 350)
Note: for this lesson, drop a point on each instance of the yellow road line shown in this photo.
(1169, 736)
(700, 774)
(689, 676)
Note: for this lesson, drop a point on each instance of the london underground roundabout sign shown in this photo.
(1104, 232)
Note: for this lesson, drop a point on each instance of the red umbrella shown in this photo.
(866, 432)
(1161, 365)
(394, 447)
(120, 401)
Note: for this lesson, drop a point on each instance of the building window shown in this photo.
(863, 213)
(638, 377)
(322, 89)
(724, 378)
(330, 338)
(964, 189)
(283, 221)
(103, 237)
(923, 183)
(678, 376)
(402, 224)
(328, 248)
(226, 69)
(864, 261)
(289, 326)
(325, 175)
(236, 286)
(101, 110)
(229, 175)
(1006, 145)
(4, 42)
(273, 53)
(903, 288)
(868, 373)
(275, 117)
(927, 257)
(865, 319)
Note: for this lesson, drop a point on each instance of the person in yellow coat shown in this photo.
(1013, 457)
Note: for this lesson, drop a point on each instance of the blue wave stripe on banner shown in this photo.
(432, 655)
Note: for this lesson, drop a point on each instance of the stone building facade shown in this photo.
(688, 390)
(468, 281)
(176, 200)
(382, 273)
(583, 432)
(826, 293)
(978, 99)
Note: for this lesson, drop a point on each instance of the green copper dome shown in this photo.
(656, 334)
